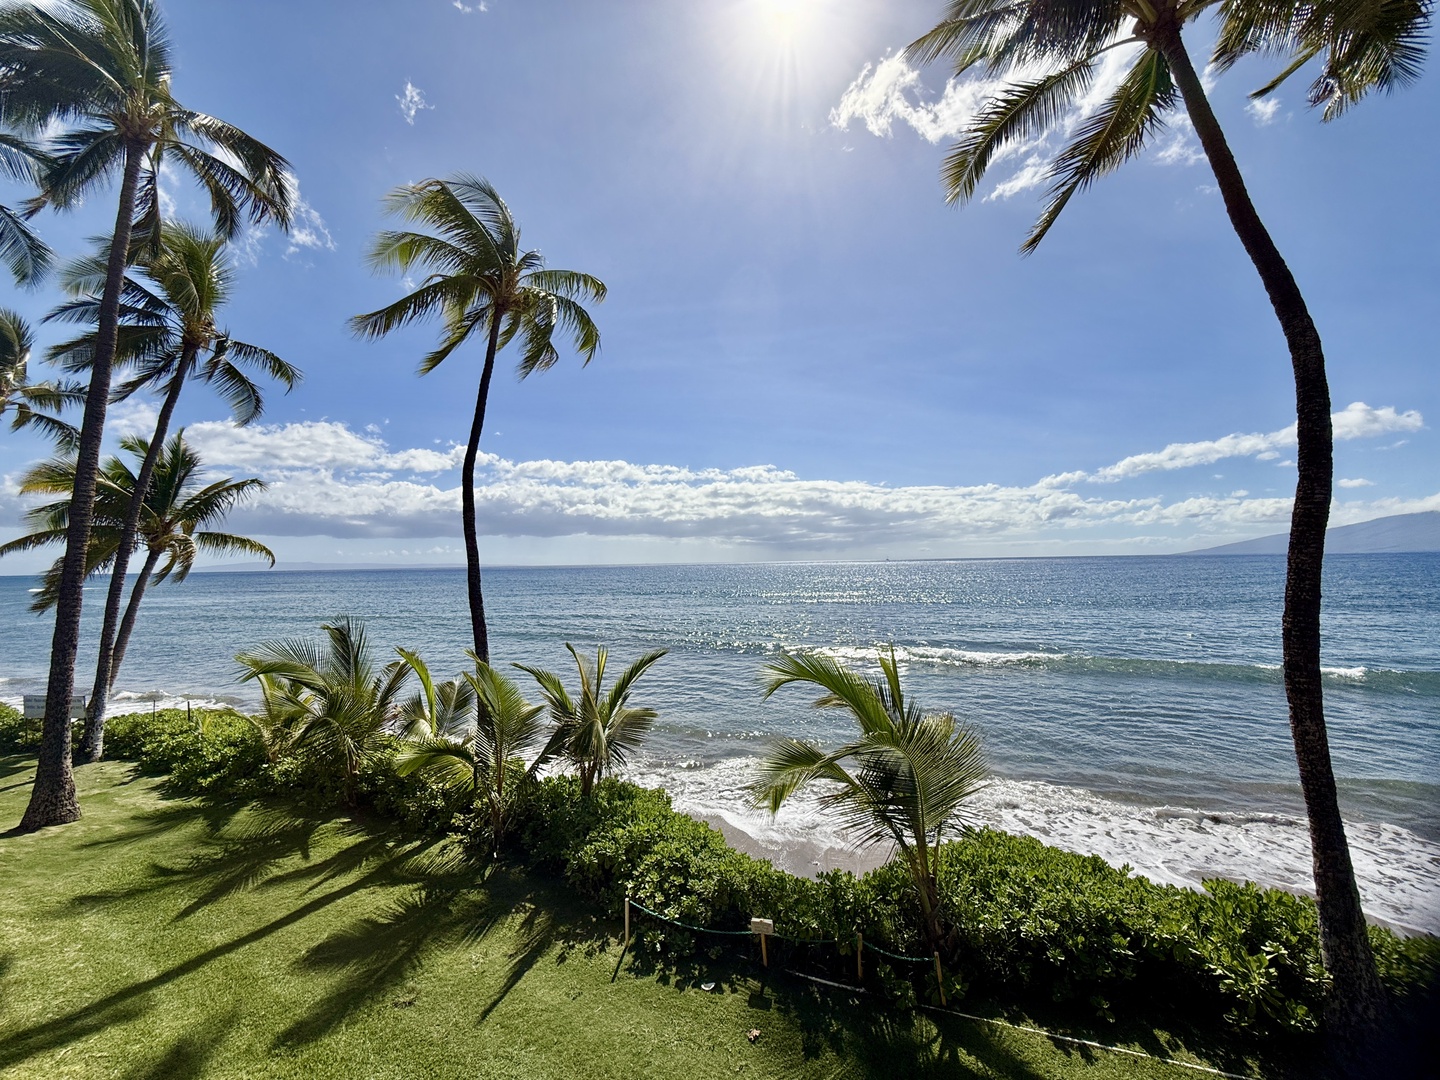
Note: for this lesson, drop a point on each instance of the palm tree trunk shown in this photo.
(1357, 999)
(52, 799)
(127, 624)
(467, 497)
(108, 663)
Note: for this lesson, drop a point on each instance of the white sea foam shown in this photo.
(1398, 872)
(926, 654)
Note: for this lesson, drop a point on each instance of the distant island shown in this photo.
(1400, 532)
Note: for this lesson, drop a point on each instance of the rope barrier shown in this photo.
(862, 944)
(1089, 1042)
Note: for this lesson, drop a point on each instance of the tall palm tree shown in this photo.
(103, 68)
(329, 697)
(1052, 52)
(597, 728)
(479, 279)
(169, 332)
(24, 254)
(474, 734)
(33, 404)
(175, 524)
(904, 781)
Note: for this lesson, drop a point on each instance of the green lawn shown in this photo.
(167, 939)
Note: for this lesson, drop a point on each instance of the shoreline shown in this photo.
(1397, 870)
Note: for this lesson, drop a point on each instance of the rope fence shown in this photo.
(764, 930)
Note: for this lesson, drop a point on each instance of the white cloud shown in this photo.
(326, 479)
(412, 102)
(1356, 421)
(1355, 482)
(469, 9)
(890, 91)
(1264, 111)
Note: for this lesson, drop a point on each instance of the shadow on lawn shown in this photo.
(253, 858)
(188, 1055)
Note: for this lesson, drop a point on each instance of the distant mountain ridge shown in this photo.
(1400, 532)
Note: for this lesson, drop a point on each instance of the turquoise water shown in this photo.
(1151, 680)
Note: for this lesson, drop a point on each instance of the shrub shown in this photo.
(18, 735)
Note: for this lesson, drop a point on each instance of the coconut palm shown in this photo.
(102, 67)
(474, 734)
(169, 334)
(24, 254)
(479, 278)
(33, 404)
(597, 728)
(175, 525)
(329, 698)
(1052, 52)
(904, 781)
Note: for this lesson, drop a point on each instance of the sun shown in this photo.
(782, 20)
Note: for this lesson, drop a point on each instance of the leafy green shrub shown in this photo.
(203, 752)
(18, 735)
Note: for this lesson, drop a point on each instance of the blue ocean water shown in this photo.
(1154, 681)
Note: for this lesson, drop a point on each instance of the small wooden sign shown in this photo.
(762, 926)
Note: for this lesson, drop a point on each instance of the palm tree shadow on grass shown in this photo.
(188, 1057)
(249, 857)
(379, 955)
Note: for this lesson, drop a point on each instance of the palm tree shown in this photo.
(479, 278)
(329, 698)
(24, 254)
(33, 403)
(598, 729)
(165, 330)
(103, 67)
(904, 781)
(1052, 51)
(174, 521)
(474, 734)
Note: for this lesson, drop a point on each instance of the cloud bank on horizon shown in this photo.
(328, 480)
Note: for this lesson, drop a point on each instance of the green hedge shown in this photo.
(1026, 923)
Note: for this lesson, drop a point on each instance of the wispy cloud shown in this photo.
(469, 9)
(328, 480)
(889, 92)
(1264, 111)
(412, 102)
(1356, 421)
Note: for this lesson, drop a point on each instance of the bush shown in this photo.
(18, 735)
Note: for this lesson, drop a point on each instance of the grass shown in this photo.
(165, 938)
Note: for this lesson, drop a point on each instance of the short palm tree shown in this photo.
(597, 728)
(33, 404)
(170, 335)
(102, 69)
(176, 521)
(479, 279)
(329, 698)
(904, 781)
(475, 734)
(1052, 52)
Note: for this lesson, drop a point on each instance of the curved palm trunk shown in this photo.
(1357, 999)
(52, 799)
(467, 497)
(128, 623)
(108, 662)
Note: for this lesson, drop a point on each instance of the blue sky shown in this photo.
(806, 353)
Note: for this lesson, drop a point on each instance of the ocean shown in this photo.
(1130, 707)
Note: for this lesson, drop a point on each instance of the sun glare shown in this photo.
(782, 20)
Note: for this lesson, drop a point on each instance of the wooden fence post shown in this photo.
(939, 978)
(859, 958)
(627, 921)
